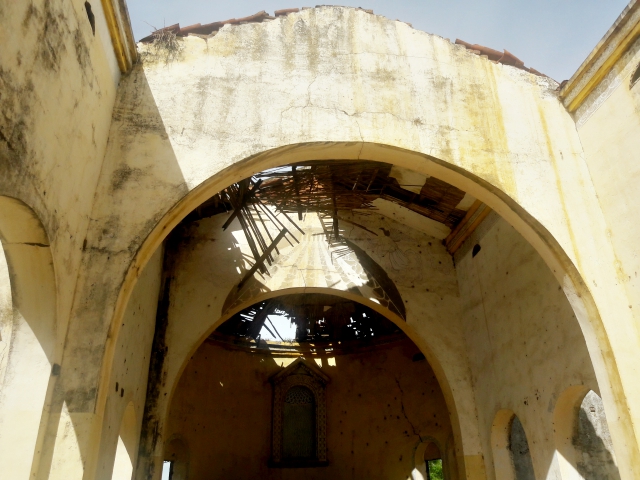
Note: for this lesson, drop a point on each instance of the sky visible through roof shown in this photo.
(552, 36)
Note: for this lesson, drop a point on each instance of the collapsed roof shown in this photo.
(209, 30)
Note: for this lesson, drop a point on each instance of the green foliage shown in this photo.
(435, 469)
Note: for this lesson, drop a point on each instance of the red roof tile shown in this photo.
(505, 58)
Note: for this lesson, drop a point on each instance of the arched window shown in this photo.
(592, 440)
(299, 417)
(176, 459)
(428, 463)
(582, 436)
(511, 456)
(433, 462)
(520, 455)
(299, 424)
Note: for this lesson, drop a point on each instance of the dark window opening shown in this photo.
(299, 429)
(636, 75)
(476, 250)
(90, 16)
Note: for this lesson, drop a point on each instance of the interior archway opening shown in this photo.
(454, 276)
(308, 384)
(126, 449)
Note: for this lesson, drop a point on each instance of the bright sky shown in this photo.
(552, 36)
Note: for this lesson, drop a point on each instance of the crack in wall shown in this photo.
(404, 413)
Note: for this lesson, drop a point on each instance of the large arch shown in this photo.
(33, 337)
(183, 342)
(539, 237)
(458, 118)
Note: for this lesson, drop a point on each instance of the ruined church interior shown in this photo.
(317, 244)
(298, 376)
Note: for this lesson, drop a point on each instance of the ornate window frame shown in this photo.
(299, 373)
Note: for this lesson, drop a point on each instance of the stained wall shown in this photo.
(307, 86)
(608, 124)
(380, 404)
(58, 82)
(209, 262)
(525, 347)
(129, 374)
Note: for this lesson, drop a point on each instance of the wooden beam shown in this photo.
(259, 319)
(244, 196)
(297, 188)
(260, 261)
(462, 223)
(457, 243)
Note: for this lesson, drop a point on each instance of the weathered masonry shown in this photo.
(318, 244)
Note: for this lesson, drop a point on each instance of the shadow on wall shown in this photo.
(511, 455)
(592, 440)
(379, 405)
(28, 336)
(519, 449)
(582, 437)
(132, 166)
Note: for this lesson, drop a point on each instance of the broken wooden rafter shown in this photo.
(260, 261)
(474, 217)
(259, 319)
(244, 197)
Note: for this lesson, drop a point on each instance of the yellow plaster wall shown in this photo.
(330, 82)
(58, 84)
(128, 378)
(524, 345)
(609, 130)
(6, 314)
(209, 262)
(338, 83)
(380, 404)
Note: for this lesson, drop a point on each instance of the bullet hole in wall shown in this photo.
(476, 250)
(418, 357)
(90, 16)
